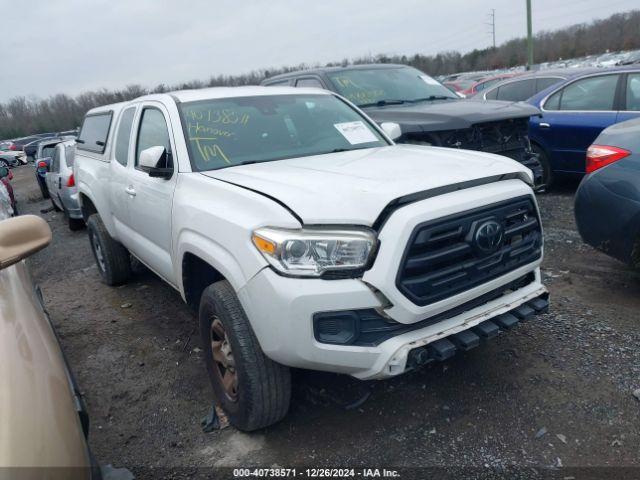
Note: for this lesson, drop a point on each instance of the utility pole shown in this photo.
(529, 37)
(492, 24)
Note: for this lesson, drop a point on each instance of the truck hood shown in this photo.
(449, 114)
(354, 187)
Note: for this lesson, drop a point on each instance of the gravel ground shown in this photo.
(556, 391)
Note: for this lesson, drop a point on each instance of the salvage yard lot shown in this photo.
(556, 391)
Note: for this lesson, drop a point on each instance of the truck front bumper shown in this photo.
(281, 311)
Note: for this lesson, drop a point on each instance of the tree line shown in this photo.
(21, 116)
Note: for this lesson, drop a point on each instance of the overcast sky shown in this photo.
(69, 46)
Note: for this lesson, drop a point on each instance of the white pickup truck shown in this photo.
(305, 237)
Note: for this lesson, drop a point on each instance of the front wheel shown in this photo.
(253, 390)
(547, 173)
(75, 224)
(111, 257)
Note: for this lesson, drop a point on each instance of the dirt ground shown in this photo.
(556, 391)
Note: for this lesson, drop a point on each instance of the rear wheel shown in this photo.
(253, 390)
(75, 223)
(111, 257)
(547, 173)
(43, 188)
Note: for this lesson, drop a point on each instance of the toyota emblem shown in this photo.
(488, 237)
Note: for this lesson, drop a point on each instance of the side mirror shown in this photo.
(43, 164)
(392, 130)
(156, 160)
(22, 236)
(4, 172)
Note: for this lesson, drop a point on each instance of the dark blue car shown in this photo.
(607, 205)
(575, 111)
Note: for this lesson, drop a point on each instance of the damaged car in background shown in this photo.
(428, 112)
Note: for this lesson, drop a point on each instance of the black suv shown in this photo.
(428, 113)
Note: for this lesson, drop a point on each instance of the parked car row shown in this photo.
(20, 151)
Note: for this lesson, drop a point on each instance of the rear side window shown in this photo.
(69, 154)
(55, 161)
(48, 151)
(544, 83)
(492, 95)
(279, 83)
(123, 137)
(517, 91)
(94, 132)
(309, 82)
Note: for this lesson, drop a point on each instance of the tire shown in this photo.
(75, 224)
(547, 173)
(262, 386)
(111, 257)
(43, 189)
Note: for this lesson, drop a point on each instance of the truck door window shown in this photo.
(153, 132)
(124, 136)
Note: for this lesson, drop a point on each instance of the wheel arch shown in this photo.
(202, 262)
(87, 206)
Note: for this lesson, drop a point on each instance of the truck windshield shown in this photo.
(384, 86)
(227, 132)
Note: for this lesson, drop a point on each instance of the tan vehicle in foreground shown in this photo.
(43, 422)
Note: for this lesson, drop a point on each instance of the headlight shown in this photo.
(310, 252)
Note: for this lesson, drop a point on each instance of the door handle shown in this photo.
(59, 182)
(544, 125)
(130, 191)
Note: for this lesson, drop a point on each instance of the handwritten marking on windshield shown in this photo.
(197, 129)
(224, 116)
(209, 151)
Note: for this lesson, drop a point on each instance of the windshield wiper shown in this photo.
(382, 103)
(338, 150)
(431, 98)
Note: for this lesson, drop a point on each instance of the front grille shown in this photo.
(449, 255)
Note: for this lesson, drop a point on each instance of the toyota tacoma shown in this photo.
(304, 237)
